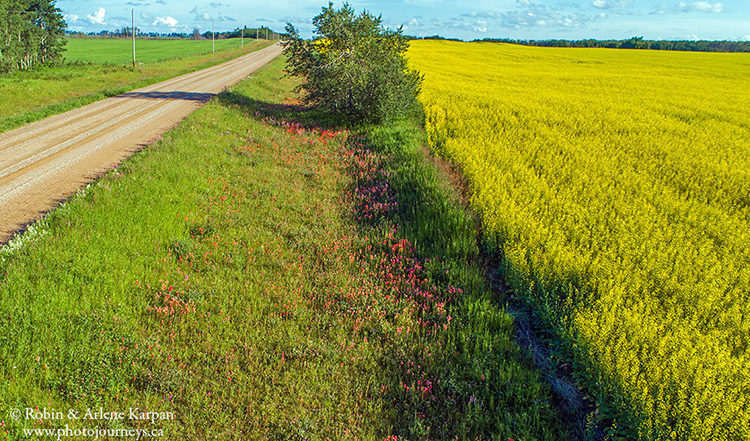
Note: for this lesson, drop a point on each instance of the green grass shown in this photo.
(48, 90)
(120, 51)
(276, 291)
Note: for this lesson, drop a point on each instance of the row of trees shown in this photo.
(30, 32)
(261, 32)
(251, 33)
(637, 43)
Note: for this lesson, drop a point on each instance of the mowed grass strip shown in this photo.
(199, 278)
(120, 50)
(48, 90)
(248, 274)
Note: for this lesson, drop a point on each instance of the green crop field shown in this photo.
(120, 51)
(614, 188)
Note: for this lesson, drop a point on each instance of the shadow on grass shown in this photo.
(308, 117)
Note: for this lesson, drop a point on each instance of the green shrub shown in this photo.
(353, 67)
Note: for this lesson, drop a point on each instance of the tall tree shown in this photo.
(31, 32)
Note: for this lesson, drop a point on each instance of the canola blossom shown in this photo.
(614, 185)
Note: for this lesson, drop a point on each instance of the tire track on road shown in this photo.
(47, 161)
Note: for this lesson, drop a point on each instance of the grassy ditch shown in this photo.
(33, 95)
(261, 277)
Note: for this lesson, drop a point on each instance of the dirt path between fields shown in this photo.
(45, 162)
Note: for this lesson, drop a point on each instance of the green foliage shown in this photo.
(31, 32)
(354, 67)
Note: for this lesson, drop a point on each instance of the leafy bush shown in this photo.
(354, 67)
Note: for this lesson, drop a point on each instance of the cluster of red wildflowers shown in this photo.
(170, 303)
(373, 197)
(419, 307)
(311, 134)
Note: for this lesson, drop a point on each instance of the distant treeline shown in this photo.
(252, 33)
(637, 43)
(630, 43)
(30, 33)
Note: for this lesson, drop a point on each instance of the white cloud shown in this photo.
(701, 7)
(707, 7)
(531, 14)
(98, 17)
(480, 26)
(199, 15)
(610, 4)
(167, 20)
(746, 37)
(70, 18)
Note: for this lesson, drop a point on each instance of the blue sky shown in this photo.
(537, 19)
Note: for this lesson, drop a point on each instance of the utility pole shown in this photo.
(213, 40)
(242, 37)
(132, 12)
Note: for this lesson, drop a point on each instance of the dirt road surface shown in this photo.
(45, 162)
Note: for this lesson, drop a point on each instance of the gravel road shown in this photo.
(45, 162)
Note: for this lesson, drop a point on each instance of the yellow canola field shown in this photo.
(615, 187)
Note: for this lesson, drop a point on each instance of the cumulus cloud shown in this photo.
(70, 18)
(167, 20)
(480, 26)
(199, 15)
(202, 15)
(702, 7)
(531, 14)
(621, 6)
(97, 17)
